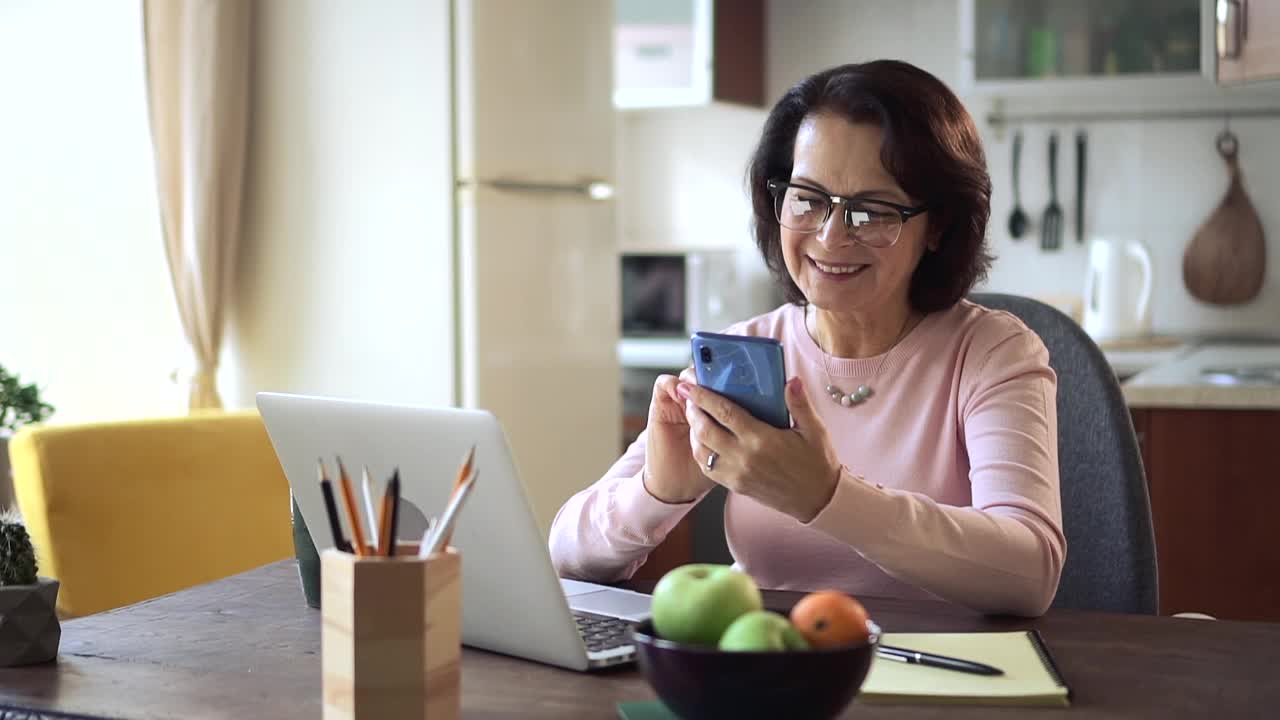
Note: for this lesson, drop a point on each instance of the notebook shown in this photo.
(1030, 675)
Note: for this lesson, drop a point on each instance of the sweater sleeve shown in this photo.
(1003, 554)
(605, 532)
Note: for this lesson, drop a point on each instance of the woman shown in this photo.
(923, 457)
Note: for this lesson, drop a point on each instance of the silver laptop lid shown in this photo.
(511, 597)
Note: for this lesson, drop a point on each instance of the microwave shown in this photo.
(673, 295)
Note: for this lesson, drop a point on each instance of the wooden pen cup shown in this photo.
(391, 643)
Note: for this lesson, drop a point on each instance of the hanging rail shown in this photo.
(1000, 119)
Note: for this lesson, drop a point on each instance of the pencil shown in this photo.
(456, 498)
(384, 523)
(353, 515)
(331, 510)
(393, 489)
(440, 541)
(463, 473)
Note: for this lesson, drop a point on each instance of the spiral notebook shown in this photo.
(1030, 675)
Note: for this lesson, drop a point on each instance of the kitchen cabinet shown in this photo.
(1247, 40)
(670, 53)
(1037, 47)
(1214, 479)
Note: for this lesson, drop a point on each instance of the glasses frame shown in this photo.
(906, 212)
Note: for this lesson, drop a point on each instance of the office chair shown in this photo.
(1106, 511)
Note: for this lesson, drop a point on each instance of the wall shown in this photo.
(1155, 181)
(346, 275)
(88, 311)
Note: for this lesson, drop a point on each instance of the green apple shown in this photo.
(762, 630)
(695, 603)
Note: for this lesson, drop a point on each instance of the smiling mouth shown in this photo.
(840, 270)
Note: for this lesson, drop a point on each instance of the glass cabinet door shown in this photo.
(662, 52)
(1015, 40)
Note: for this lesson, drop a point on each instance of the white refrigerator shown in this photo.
(428, 219)
(537, 263)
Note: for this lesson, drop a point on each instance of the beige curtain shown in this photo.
(198, 94)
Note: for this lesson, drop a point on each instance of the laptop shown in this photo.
(513, 602)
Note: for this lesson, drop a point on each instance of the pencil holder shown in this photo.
(391, 643)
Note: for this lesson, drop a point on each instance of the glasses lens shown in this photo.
(875, 225)
(800, 209)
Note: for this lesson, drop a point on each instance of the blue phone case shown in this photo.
(748, 370)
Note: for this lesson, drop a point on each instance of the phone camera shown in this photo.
(705, 354)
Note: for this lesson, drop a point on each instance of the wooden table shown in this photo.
(247, 647)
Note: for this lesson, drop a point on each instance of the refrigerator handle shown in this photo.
(588, 189)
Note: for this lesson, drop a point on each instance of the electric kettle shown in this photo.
(1117, 290)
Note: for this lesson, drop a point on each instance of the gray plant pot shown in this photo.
(29, 629)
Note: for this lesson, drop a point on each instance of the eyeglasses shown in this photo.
(874, 223)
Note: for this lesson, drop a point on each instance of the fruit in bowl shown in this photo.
(696, 603)
(762, 630)
(830, 618)
(747, 662)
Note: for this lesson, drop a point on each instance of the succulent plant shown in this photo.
(17, 556)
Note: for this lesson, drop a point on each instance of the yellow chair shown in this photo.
(125, 511)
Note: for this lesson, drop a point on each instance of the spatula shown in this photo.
(1226, 260)
(1051, 224)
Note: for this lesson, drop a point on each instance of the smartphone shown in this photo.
(748, 370)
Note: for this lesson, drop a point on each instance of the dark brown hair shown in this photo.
(931, 147)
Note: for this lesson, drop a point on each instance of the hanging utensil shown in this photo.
(1226, 260)
(1051, 225)
(1018, 220)
(1080, 157)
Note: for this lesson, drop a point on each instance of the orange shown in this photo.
(830, 618)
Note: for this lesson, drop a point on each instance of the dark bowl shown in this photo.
(700, 682)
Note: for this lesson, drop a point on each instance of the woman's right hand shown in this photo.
(671, 472)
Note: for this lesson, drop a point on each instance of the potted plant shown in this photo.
(19, 405)
(29, 629)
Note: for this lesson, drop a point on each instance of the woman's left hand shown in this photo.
(793, 471)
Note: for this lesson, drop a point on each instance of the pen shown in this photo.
(367, 490)
(444, 529)
(331, 509)
(393, 489)
(353, 515)
(428, 533)
(938, 661)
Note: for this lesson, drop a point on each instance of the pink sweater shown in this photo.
(949, 488)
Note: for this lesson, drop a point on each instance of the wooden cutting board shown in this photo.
(1226, 261)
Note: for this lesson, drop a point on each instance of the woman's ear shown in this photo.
(933, 238)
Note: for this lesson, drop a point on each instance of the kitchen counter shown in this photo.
(1251, 379)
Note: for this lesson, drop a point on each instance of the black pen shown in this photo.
(331, 509)
(938, 661)
(393, 487)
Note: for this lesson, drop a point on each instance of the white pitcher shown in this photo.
(1117, 289)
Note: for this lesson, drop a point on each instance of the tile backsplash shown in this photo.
(1155, 182)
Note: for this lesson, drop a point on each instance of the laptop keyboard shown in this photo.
(601, 632)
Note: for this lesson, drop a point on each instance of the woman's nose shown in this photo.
(834, 233)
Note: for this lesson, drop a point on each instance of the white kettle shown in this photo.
(1117, 290)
